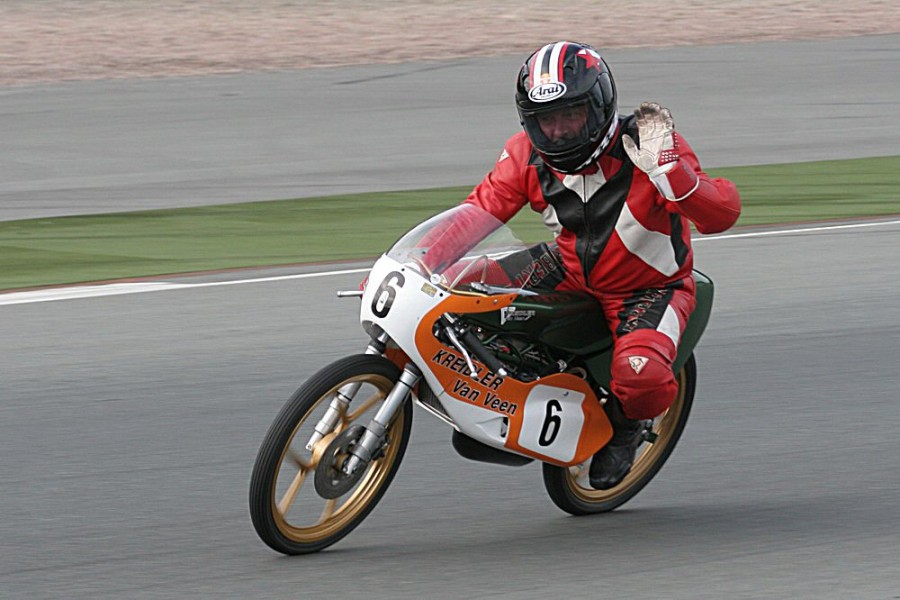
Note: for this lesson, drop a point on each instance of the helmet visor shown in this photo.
(560, 130)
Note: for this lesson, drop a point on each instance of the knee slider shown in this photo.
(643, 381)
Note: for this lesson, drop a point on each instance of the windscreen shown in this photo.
(466, 249)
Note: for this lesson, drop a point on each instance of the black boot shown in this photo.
(613, 462)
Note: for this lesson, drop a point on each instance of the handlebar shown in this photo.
(466, 341)
(485, 288)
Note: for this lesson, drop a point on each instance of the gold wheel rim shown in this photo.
(337, 513)
(664, 426)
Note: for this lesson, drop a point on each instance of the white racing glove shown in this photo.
(658, 154)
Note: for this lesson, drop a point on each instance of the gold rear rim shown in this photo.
(300, 513)
(665, 426)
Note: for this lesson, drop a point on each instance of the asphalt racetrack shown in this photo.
(93, 147)
(130, 424)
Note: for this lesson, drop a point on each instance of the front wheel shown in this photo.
(569, 487)
(287, 512)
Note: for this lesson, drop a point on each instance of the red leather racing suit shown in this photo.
(624, 243)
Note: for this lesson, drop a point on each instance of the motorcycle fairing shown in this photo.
(556, 419)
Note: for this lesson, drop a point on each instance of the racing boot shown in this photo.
(613, 462)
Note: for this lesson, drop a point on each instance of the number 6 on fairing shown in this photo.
(553, 422)
(384, 297)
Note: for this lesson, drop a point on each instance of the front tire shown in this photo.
(287, 513)
(569, 487)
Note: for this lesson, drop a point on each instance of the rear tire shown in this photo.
(287, 513)
(569, 487)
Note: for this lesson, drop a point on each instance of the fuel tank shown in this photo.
(569, 321)
(573, 321)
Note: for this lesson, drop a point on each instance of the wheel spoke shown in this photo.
(366, 405)
(287, 501)
(298, 460)
(327, 511)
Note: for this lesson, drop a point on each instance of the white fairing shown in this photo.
(402, 297)
(413, 299)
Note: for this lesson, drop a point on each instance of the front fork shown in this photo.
(373, 437)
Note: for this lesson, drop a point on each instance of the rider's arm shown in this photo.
(501, 194)
(714, 204)
(503, 191)
(446, 245)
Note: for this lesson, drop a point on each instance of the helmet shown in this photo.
(570, 80)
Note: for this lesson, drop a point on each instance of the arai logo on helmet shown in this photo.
(546, 92)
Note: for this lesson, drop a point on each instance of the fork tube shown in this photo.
(372, 439)
(344, 396)
(338, 406)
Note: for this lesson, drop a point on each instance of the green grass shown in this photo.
(814, 191)
(88, 248)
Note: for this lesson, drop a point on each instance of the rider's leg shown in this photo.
(613, 462)
(647, 327)
(642, 377)
(540, 267)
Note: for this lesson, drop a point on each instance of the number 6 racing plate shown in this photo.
(561, 422)
(552, 422)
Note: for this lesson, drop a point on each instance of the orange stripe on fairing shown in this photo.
(428, 345)
(397, 356)
(596, 431)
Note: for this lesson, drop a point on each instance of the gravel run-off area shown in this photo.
(59, 40)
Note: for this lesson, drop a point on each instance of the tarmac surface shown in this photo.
(130, 425)
(111, 146)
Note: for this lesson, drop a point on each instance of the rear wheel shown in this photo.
(569, 487)
(287, 512)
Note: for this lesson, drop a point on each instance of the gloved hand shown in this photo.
(658, 154)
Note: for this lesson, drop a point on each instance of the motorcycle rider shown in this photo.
(618, 192)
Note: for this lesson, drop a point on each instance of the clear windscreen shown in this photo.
(466, 249)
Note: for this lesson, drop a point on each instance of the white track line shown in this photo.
(140, 287)
(734, 236)
(114, 289)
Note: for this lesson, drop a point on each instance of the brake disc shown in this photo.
(330, 480)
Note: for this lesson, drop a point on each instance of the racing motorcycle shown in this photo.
(458, 323)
